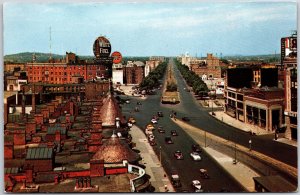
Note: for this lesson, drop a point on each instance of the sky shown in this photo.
(148, 29)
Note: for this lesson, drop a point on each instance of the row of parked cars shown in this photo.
(195, 153)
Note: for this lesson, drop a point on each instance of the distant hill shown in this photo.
(266, 58)
(44, 57)
(40, 57)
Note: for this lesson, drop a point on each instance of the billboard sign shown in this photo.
(102, 48)
(117, 57)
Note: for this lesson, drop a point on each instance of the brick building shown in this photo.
(210, 67)
(289, 66)
(252, 96)
(63, 72)
(134, 72)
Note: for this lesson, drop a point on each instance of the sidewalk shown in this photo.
(151, 161)
(242, 173)
(221, 116)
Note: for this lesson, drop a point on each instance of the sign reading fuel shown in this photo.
(102, 48)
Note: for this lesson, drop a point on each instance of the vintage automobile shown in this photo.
(204, 174)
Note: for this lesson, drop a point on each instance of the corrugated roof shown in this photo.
(39, 153)
(12, 170)
(52, 130)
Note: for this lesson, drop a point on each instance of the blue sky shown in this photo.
(143, 29)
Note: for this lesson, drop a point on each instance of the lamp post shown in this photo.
(204, 138)
(160, 155)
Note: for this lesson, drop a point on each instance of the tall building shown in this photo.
(208, 68)
(289, 64)
(63, 72)
(252, 96)
(134, 72)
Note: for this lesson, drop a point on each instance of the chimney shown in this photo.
(33, 99)
(23, 103)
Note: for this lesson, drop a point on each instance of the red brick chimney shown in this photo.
(57, 136)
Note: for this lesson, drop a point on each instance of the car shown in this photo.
(197, 186)
(152, 143)
(186, 119)
(168, 140)
(154, 121)
(204, 174)
(150, 127)
(196, 148)
(138, 103)
(178, 155)
(175, 180)
(151, 137)
(195, 156)
(160, 129)
(129, 124)
(160, 114)
(131, 120)
(174, 133)
(127, 101)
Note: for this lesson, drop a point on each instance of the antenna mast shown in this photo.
(50, 56)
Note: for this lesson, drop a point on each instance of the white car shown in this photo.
(195, 156)
(197, 186)
(151, 137)
(154, 121)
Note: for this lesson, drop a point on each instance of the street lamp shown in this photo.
(160, 154)
(204, 138)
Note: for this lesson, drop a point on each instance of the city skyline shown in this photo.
(145, 29)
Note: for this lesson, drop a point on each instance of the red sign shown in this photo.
(117, 57)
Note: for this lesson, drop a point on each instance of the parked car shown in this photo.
(174, 133)
(195, 156)
(160, 129)
(168, 140)
(160, 114)
(178, 155)
(152, 143)
(129, 124)
(197, 186)
(186, 119)
(131, 120)
(175, 180)
(150, 127)
(196, 148)
(151, 137)
(204, 174)
(127, 102)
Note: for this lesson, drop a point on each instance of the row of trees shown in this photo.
(193, 80)
(152, 80)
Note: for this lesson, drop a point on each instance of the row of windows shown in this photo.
(70, 68)
(51, 79)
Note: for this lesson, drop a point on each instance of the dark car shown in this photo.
(139, 103)
(178, 155)
(196, 148)
(160, 129)
(168, 140)
(174, 133)
(185, 119)
(160, 114)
